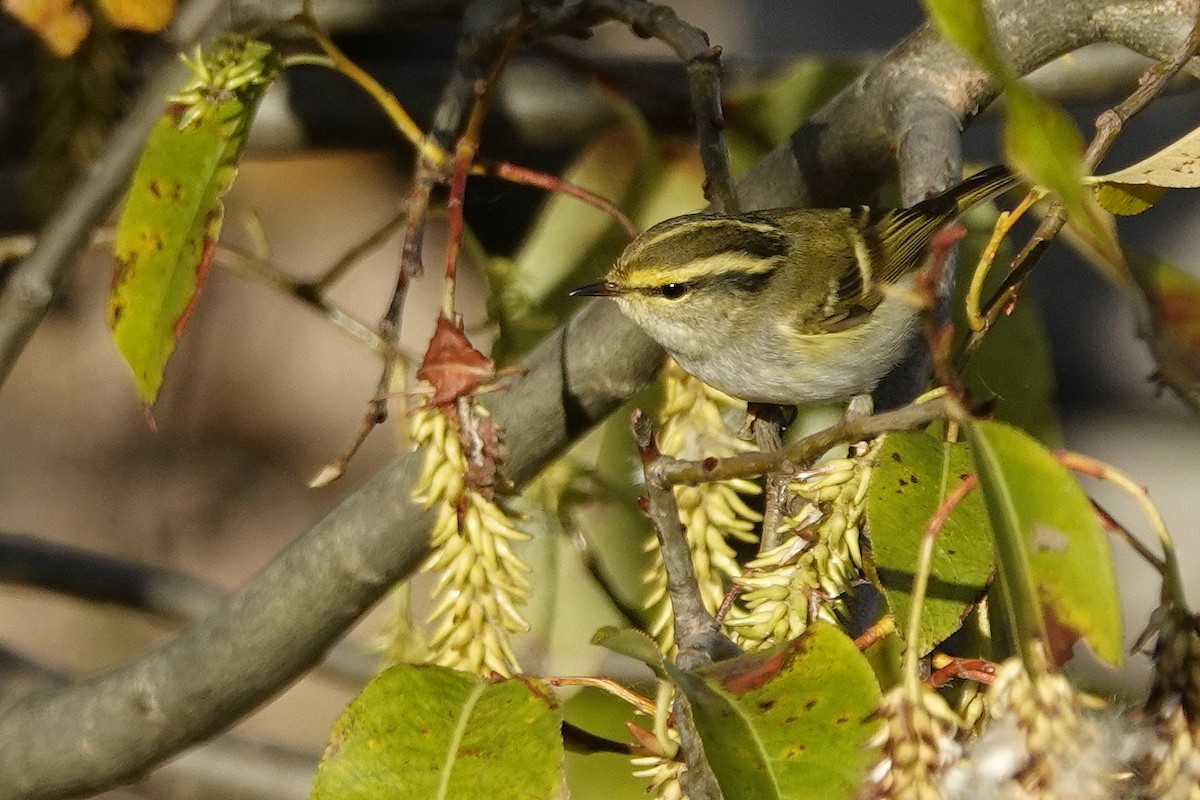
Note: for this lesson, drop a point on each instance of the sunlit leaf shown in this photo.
(60, 24)
(792, 722)
(172, 215)
(1127, 199)
(1139, 186)
(426, 731)
(1054, 565)
(910, 480)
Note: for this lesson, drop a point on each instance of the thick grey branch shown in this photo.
(229, 767)
(848, 145)
(165, 593)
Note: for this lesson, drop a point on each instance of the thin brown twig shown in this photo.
(946, 668)
(939, 334)
(1118, 530)
(666, 471)
(354, 254)
(240, 261)
(703, 63)
(1086, 465)
(464, 159)
(640, 702)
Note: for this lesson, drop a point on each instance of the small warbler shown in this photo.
(788, 305)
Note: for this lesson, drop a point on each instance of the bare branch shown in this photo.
(230, 767)
(698, 635)
(169, 594)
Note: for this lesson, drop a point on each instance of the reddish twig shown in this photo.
(939, 335)
(949, 667)
(884, 627)
(525, 176)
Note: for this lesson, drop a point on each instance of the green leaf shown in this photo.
(792, 722)
(632, 643)
(965, 23)
(1043, 144)
(1054, 564)
(432, 732)
(172, 214)
(909, 482)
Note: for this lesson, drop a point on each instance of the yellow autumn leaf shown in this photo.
(147, 16)
(1137, 187)
(60, 24)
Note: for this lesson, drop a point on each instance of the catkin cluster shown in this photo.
(482, 581)
(785, 589)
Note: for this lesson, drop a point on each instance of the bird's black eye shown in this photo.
(673, 291)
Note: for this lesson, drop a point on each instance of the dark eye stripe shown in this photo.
(743, 283)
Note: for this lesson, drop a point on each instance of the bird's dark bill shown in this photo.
(601, 289)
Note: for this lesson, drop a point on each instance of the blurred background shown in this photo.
(263, 391)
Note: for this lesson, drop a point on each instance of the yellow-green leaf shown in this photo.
(1176, 166)
(1054, 566)
(147, 16)
(1127, 199)
(172, 214)
(1135, 188)
(426, 731)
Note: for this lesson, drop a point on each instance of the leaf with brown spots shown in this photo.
(914, 474)
(172, 215)
(1053, 560)
(427, 731)
(792, 722)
